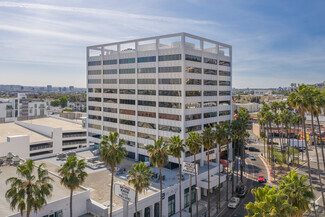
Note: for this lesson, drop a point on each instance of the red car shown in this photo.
(261, 179)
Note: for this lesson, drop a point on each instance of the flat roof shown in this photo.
(12, 129)
(59, 191)
(56, 123)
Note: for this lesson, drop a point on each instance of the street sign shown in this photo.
(125, 192)
(189, 168)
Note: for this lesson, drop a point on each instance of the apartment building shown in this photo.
(20, 108)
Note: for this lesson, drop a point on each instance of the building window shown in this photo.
(94, 72)
(192, 105)
(94, 108)
(108, 119)
(127, 132)
(128, 60)
(127, 122)
(95, 117)
(227, 102)
(146, 59)
(147, 114)
(127, 91)
(224, 73)
(127, 71)
(127, 101)
(94, 81)
(127, 112)
(156, 210)
(169, 69)
(114, 91)
(193, 81)
(127, 81)
(192, 58)
(110, 100)
(169, 128)
(210, 82)
(94, 126)
(109, 129)
(210, 61)
(171, 205)
(146, 136)
(174, 105)
(210, 114)
(170, 57)
(224, 63)
(170, 81)
(147, 92)
(110, 62)
(224, 83)
(147, 70)
(170, 93)
(94, 63)
(193, 93)
(210, 104)
(224, 93)
(210, 72)
(210, 93)
(192, 117)
(170, 117)
(110, 81)
(129, 143)
(147, 81)
(147, 103)
(94, 99)
(193, 128)
(187, 196)
(146, 125)
(147, 212)
(223, 113)
(191, 69)
(110, 71)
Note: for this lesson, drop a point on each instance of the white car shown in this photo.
(233, 202)
(252, 157)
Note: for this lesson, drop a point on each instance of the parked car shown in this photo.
(233, 202)
(261, 179)
(241, 191)
(252, 157)
(253, 149)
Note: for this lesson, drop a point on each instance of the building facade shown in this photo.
(158, 87)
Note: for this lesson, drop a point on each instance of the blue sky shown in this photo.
(274, 42)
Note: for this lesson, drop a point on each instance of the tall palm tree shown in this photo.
(298, 100)
(261, 121)
(112, 154)
(139, 177)
(72, 175)
(176, 148)
(158, 154)
(208, 139)
(319, 106)
(29, 191)
(269, 119)
(194, 144)
(285, 118)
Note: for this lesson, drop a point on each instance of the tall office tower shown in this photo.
(158, 87)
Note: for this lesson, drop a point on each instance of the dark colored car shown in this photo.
(253, 149)
(241, 191)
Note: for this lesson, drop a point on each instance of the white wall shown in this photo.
(18, 145)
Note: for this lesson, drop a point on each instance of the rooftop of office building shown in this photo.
(66, 125)
(13, 129)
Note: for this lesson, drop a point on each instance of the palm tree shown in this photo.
(28, 191)
(319, 106)
(262, 122)
(158, 154)
(285, 118)
(139, 177)
(176, 148)
(73, 174)
(208, 139)
(299, 195)
(112, 154)
(194, 144)
(298, 100)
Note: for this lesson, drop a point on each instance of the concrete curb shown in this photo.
(267, 168)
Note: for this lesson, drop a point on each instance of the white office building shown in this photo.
(159, 87)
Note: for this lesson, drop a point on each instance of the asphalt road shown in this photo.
(254, 168)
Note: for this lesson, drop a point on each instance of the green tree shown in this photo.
(208, 139)
(158, 154)
(29, 191)
(285, 118)
(194, 144)
(176, 148)
(139, 177)
(63, 101)
(112, 154)
(73, 174)
(55, 103)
